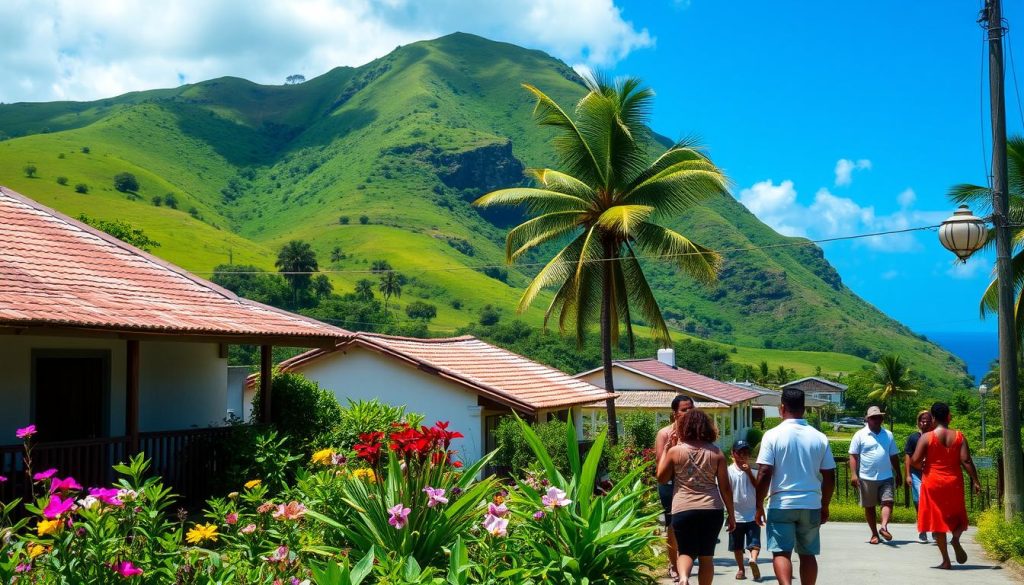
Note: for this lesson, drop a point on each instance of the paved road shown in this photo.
(847, 559)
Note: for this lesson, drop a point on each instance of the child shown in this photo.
(744, 496)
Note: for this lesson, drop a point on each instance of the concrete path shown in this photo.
(847, 559)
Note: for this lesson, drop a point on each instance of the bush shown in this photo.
(126, 183)
(157, 200)
(62, 180)
(421, 310)
(640, 429)
(171, 201)
(489, 315)
(301, 411)
(369, 417)
(1003, 540)
(771, 422)
(364, 219)
(81, 188)
(86, 150)
(30, 170)
(343, 220)
(514, 454)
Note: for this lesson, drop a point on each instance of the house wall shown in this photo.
(625, 380)
(361, 374)
(181, 385)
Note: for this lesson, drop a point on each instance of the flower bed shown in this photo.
(399, 507)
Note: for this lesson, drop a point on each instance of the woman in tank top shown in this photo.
(702, 499)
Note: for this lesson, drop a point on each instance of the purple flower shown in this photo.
(108, 496)
(45, 475)
(64, 485)
(280, 555)
(126, 569)
(538, 515)
(555, 498)
(25, 432)
(497, 510)
(436, 496)
(495, 525)
(23, 568)
(57, 506)
(399, 516)
(2, 479)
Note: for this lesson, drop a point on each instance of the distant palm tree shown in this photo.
(892, 382)
(980, 199)
(337, 255)
(604, 203)
(297, 260)
(364, 289)
(764, 375)
(390, 285)
(782, 375)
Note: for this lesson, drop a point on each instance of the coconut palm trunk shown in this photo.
(607, 291)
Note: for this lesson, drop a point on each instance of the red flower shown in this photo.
(410, 441)
(369, 448)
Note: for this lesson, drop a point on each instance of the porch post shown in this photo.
(131, 413)
(266, 367)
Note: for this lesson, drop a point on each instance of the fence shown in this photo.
(846, 493)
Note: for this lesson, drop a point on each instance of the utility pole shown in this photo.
(1013, 459)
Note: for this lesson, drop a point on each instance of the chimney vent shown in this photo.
(667, 356)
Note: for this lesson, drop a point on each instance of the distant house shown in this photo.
(821, 389)
(651, 384)
(109, 350)
(463, 380)
(766, 404)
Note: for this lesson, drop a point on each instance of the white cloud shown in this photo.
(845, 167)
(906, 198)
(890, 274)
(774, 205)
(974, 268)
(67, 49)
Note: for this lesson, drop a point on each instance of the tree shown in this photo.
(421, 310)
(30, 170)
(364, 219)
(364, 289)
(296, 260)
(782, 375)
(126, 183)
(343, 220)
(123, 231)
(321, 286)
(337, 255)
(294, 79)
(390, 285)
(763, 373)
(81, 188)
(489, 315)
(62, 180)
(605, 202)
(892, 382)
(171, 201)
(380, 266)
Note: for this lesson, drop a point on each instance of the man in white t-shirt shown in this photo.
(875, 471)
(744, 501)
(796, 472)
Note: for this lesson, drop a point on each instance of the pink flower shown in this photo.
(45, 475)
(436, 496)
(497, 510)
(64, 485)
(2, 479)
(126, 569)
(231, 518)
(108, 496)
(538, 515)
(290, 511)
(57, 506)
(25, 432)
(280, 555)
(555, 498)
(399, 516)
(495, 525)
(23, 568)
(248, 529)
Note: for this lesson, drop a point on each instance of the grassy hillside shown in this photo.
(406, 142)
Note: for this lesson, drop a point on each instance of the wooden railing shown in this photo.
(189, 461)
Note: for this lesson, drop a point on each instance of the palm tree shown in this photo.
(764, 375)
(892, 382)
(297, 260)
(364, 289)
(782, 375)
(337, 255)
(390, 285)
(604, 203)
(980, 199)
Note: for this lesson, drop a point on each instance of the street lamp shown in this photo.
(963, 233)
(982, 392)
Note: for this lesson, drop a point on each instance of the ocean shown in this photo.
(976, 348)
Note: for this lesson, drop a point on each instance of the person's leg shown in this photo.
(686, 528)
(684, 564)
(665, 495)
(940, 540)
(782, 564)
(961, 554)
(886, 514)
(808, 569)
(670, 540)
(808, 544)
(871, 516)
(706, 572)
(887, 494)
(781, 530)
(741, 572)
(736, 538)
(868, 494)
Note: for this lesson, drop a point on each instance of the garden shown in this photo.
(393, 506)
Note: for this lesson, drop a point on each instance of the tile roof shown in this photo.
(769, 397)
(661, 399)
(498, 374)
(838, 386)
(688, 381)
(58, 272)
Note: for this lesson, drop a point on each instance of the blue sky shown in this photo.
(830, 118)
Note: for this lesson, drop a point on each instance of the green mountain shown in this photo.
(382, 161)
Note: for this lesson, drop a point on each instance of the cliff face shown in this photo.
(488, 167)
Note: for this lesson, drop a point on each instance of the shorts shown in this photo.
(915, 487)
(794, 530)
(874, 492)
(665, 495)
(697, 531)
(748, 531)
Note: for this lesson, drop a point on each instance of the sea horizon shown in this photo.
(977, 348)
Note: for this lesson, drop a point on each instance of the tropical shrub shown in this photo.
(1002, 539)
(369, 416)
(640, 429)
(514, 452)
(302, 411)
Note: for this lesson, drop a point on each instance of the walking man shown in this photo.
(747, 535)
(667, 436)
(912, 474)
(796, 472)
(875, 471)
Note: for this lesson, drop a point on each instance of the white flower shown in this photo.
(127, 495)
(89, 502)
(555, 498)
(495, 525)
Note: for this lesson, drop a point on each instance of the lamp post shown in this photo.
(982, 392)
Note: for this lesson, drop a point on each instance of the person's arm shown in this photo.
(828, 486)
(894, 460)
(726, 491)
(659, 447)
(854, 476)
(666, 464)
(906, 465)
(919, 452)
(968, 463)
(762, 485)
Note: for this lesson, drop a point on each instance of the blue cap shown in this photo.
(740, 445)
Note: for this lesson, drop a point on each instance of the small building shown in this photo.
(766, 404)
(820, 389)
(651, 384)
(463, 380)
(110, 351)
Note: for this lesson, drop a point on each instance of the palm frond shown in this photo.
(642, 297)
(976, 196)
(557, 270)
(679, 187)
(562, 183)
(570, 145)
(624, 219)
(535, 200)
(695, 260)
(538, 230)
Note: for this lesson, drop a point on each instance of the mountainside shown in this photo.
(405, 143)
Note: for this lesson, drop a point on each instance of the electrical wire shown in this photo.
(1013, 71)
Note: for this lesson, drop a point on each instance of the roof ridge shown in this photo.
(437, 340)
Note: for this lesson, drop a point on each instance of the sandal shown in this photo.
(885, 533)
(874, 540)
(741, 576)
(961, 554)
(755, 571)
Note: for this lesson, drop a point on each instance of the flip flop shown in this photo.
(755, 571)
(885, 533)
(874, 540)
(961, 554)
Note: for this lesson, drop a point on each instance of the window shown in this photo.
(71, 394)
(735, 419)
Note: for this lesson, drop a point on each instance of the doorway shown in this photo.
(71, 394)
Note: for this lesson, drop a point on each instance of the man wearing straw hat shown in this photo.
(875, 471)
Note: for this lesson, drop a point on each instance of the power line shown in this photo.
(1013, 71)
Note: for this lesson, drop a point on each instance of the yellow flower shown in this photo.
(47, 527)
(323, 456)
(365, 473)
(253, 483)
(201, 533)
(35, 550)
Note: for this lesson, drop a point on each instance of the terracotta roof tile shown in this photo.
(687, 380)
(56, 271)
(651, 399)
(497, 373)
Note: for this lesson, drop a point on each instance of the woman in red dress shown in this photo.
(940, 454)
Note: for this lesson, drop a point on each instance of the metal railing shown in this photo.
(975, 502)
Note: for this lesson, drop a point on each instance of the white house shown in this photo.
(766, 404)
(462, 380)
(651, 384)
(109, 350)
(820, 389)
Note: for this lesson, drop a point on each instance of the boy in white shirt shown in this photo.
(744, 496)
